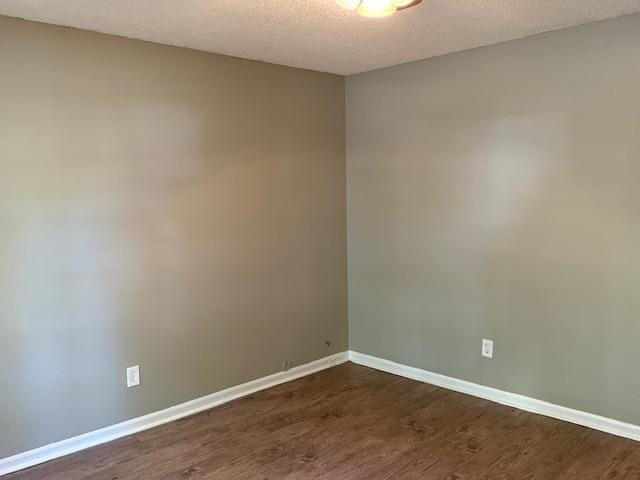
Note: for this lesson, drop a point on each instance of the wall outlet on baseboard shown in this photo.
(487, 348)
(133, 376)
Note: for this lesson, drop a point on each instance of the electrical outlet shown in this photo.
(487, 348)
(133, 376)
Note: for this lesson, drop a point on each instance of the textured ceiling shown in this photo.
(318, 34)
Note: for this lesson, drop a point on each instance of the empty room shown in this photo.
(319, 239)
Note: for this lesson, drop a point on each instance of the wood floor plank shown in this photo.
(355, 423)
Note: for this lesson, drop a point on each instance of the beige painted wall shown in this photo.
(496, 193)
(163, 207)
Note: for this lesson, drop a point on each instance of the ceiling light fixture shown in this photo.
(377, 8)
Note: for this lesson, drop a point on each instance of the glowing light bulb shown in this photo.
(376, 8)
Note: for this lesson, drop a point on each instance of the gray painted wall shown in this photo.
(163, 207)
(496, 193)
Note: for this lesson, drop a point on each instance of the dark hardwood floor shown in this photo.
(351, 422)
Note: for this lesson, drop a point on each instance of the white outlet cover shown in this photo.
(133, 376)
(487, 348)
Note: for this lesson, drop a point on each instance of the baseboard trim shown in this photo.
(596, 422)
(107, 434)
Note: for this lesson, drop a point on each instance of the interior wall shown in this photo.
(160, 207)
(495, 194)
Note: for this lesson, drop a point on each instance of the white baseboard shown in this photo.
(521, 402)
(107, 434)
